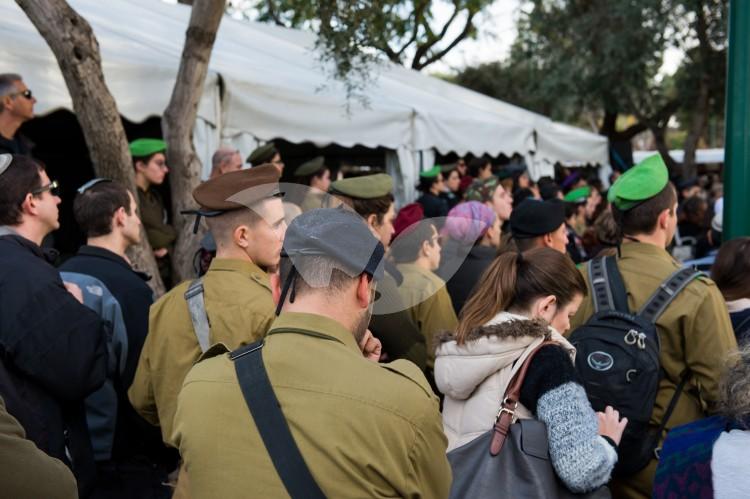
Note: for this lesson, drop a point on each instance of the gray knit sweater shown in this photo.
(582, 459)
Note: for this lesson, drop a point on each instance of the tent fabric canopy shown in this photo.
(266, 82)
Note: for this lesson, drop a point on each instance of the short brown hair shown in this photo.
(20, 178)
(406, 248)
(642, 218)
(322, 270)
(515, 280)
(731, 270)
(365, 207)
(93, 210)
(222, 226)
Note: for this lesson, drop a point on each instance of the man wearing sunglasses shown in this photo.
(52, 345)
(16, 107)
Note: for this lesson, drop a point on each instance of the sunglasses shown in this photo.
(52, 188)
(26, 94)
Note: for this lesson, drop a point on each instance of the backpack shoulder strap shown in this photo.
(609, 291)
(272, 425)
(666, 292)
(199, 318)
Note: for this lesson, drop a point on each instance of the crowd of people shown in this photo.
(330, 345)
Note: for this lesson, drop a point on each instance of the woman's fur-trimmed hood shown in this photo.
(490, 348)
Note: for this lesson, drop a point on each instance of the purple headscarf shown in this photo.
(468, 221)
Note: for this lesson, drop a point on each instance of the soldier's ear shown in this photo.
(364, 291)
(275, 287)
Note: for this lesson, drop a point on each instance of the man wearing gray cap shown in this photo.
(343, 425)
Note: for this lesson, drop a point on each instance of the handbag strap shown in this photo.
(510, 402)
(272, 425)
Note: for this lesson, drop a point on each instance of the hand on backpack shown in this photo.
(610, 424)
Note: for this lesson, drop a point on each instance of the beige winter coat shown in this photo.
(474, 376)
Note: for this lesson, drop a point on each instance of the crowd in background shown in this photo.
(443, 301)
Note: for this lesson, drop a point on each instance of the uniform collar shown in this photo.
(637, 249)
(244, 267)
(313, 325)
(96, 251)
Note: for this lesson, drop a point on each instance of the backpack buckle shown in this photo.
(657, 453)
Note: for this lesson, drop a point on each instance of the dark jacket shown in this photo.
(53, 350)
(133, 435)
(462, 267)
(433, 206)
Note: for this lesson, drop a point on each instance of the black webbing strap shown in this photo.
(271, 423)
(670, 408)
(607, 285)
(666, 292)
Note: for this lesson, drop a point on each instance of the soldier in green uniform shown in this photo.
(371, 197)
(236, 293)
(317, 176)
(363, 429)
(151, 169)
(695, 331)
(267, 153)
(417, 255)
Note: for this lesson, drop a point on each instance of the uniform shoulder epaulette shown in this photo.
(213, 351)
(410, 371)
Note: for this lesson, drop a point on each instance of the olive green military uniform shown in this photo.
(696, 335)
(313, 200)
(397, 332)
(160, 234)
(26, 471)
(240, 309)
(428, 302)
(154, 219)
(364, 429)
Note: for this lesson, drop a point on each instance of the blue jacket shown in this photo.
(101, 406)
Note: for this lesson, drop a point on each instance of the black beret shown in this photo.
(534, 218)
(338, 234)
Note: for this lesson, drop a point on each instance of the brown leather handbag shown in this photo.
(518, 463)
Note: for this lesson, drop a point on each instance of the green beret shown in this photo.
(578, 195)
(140, 148)
(643, 181)
(310, 167)
(263, 154)
(366, 187)
(431, 173)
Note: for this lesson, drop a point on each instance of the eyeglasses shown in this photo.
(52, 187)
(26, 94)
(91, 183)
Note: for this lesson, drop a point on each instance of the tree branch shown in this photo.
(460, 37)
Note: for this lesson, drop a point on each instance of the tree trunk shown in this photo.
(178, 122)
(77, 52)
(697, 127)
(660, 140)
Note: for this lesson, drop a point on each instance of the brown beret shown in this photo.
(235, 190)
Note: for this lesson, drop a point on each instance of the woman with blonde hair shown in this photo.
(521, 301)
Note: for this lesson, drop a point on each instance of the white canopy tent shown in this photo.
(266, 82)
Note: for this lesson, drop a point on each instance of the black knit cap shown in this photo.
(534, 218)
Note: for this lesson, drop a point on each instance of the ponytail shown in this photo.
(515, 280)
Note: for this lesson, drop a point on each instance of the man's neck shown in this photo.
(423, 263)
(30, 232)
(319, 304)
(8, 126)
(657, 239)
(112, 242)
(232, 254)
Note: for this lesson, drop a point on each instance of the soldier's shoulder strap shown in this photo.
(667, 292)
(272, 424)
(198, 316)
